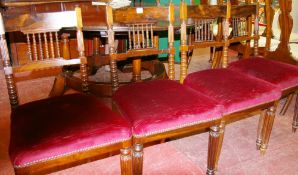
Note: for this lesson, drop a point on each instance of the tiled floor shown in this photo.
(184, 156)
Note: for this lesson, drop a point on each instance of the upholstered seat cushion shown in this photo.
(55, 127)
(281, 74)
(163, 105)
(235, 91)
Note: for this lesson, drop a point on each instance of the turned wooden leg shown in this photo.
(295, 118)
(138, 159)
(213, 148)
(267, 128)
(126, 161)
(259, 131)
(136, 70)
(286, 105)
(221, 137)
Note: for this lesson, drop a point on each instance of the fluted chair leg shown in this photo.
(267, 128)
(259, 131)
(221, 137)
(138, 159)
(126, 161)
(213, 148)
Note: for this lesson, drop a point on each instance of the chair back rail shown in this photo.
(202, 18)
(206, 11)
(131, 15)
(140, 23)
(40, 28)
(41, 32)
(244, 16)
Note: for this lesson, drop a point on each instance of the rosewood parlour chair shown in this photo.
(203, 20)
(60, 132)
(239, 94)
(283, 75)
(159, 109)
(142, 25)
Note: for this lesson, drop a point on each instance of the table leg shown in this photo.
(136, 70)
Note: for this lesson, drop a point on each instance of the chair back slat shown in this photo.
(239, 26)
(141, 24)
(203, 29)
(41, 22)
(202, 19)
(242, 25)
(41, 31)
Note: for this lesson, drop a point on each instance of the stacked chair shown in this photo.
(240, 94)
(159, 109)
(60, 132)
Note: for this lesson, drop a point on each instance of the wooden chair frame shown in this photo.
(140, 140)
(41, 23)
(267, 110)
(139, 16)
(248, 11)
(201, 12)
(290, 92)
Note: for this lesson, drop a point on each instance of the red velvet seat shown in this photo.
(52, 128)
(163, 105)
(235, 91)
(281, 74)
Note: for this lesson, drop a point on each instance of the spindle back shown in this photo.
(40, 28)
(200, 21)
(142, 24)
(244, 17)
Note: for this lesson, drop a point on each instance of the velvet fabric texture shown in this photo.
(54, 127)
(162, 105)
(234, 90)
(281, 74)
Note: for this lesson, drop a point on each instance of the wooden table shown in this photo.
(283, 52)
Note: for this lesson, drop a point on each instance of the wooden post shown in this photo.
(138, 159)
(136, 70)
(226, 33)
(171, 58)
(96, 45)
(220, 140)
(269, 14)
(248, 26)
(267, 128)
(256, 32)
(183, 39)
(126, 161)
(259, 131)
(81, 50)
(111, 42)
(212, 149)
(8, 71)
(65, 46)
